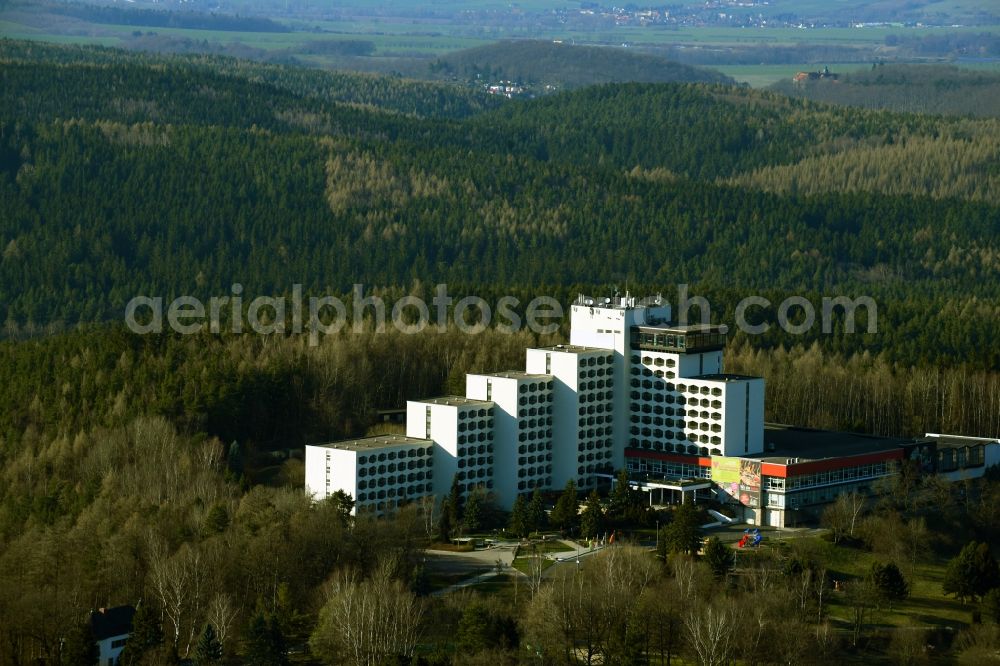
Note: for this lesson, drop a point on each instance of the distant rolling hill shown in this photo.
(920, 88)
(543, 63)
(124, 174)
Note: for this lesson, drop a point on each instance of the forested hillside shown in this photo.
(152, 18)
(158, 468)
(261, 178)
(123, 175)
(165, 467)
(960, 161)
(90, 67)
(911, 88)
(545, 63)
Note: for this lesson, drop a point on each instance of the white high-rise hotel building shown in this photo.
(629, 388)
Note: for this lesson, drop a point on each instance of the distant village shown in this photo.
(512, 89)
(714, 13)
(508, 89)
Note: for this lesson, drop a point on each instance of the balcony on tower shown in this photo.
(687, 339)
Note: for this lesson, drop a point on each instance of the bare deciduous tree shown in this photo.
(364, 621)
(841, 517)
(426, 506)
(535, 568)
(861, 599)
(820, 587)
(685, 573)
(660, 610)
(177, 580)
(711, 633)
(221, 613)
(589, 614)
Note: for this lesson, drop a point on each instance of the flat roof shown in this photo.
(617, 302)
(574, 349)
(807, 444)
(111, 622)
(456, 401)
(956, 441)
(511, 374)
(376, 442)
(721, 377)
(678, 329)
(672, 483)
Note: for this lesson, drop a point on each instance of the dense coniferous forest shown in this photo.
(166, 19)
(911, 88)
(382, 92)
(300, 184)
(544, 63)
(166, 467)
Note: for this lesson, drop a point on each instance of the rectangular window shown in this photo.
(489, 389)
(427, 424)
(548, 364)
(746, 421)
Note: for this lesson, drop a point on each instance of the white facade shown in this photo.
(582, 412)
(960, 457)
(704, 415)
(607, 323)
(710, 413)
(109, 649)
(461, 430)
(380, 473)
(522, 434)
(628, 380)
(110, 628)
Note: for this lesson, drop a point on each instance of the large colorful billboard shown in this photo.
(726, 474)
(749, 482)
(739, 478)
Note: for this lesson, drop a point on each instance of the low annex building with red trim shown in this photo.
(804, 469)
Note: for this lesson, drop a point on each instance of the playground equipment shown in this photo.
(751, 538)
